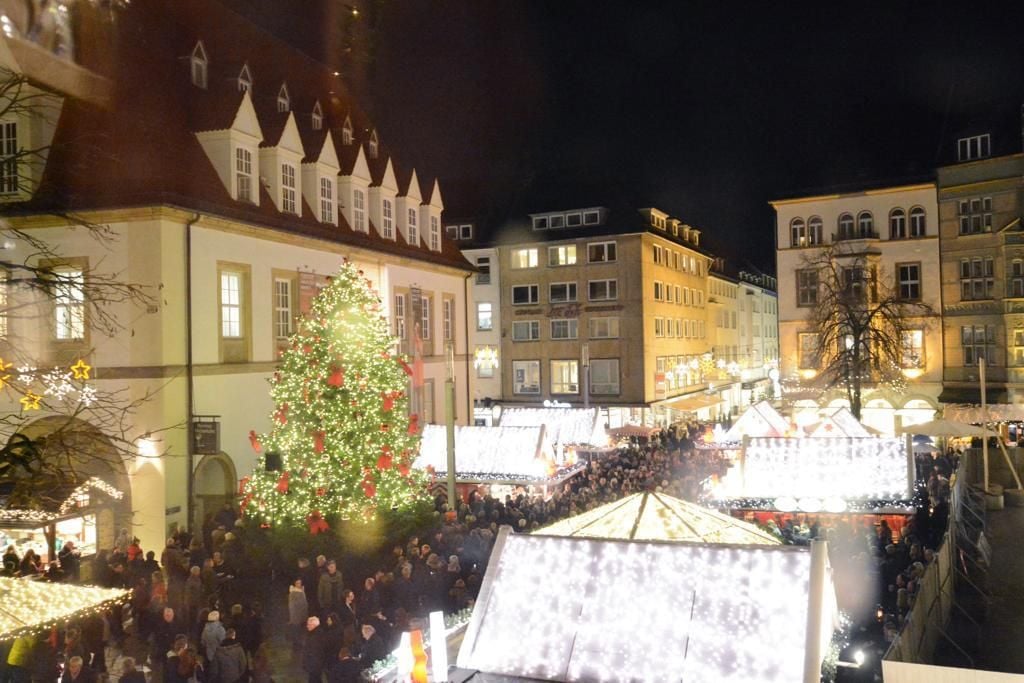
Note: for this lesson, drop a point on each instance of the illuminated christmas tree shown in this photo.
(342, 442)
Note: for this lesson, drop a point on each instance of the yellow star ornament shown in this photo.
(81, 370)
(31, 401)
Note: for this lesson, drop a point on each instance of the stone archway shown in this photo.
(215, 482)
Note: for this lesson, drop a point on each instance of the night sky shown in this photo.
(705, 109)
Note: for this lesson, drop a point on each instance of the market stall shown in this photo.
(760, 419)
(88, 512)
(839, 421)
(28, 606)
(565, 426)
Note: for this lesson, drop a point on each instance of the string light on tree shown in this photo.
(341, 429)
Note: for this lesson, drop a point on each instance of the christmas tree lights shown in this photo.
(342, 438)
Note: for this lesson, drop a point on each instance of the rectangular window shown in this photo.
(387, 219)
(288, 188)
(659, 327)
(564, 329)
(659, 255)
(326, 200)
(978, 341)
(414, 237)
(604, 328)
(524, 258)
(565, 377)
(1015, 285)
(564, 255)
(230, 304)
(974, 147)
(591, 217)
(526, 376)
(977, 278)
(68, 303)
(908, 281)
(556, 221)
(452, 231)
(913, 349)
(525, 330)
(562, 292)
(447, 318)
(484, 370)
(525, 294)
(282, 308)
(358, 211)
(243, 174)
(604, 376)
(975, 215)
(425, 317)
(540, 223)
(601, 252)
(8, 157)
(573, 220)
(678, 294)
(483, 264)
(603, 290)
(465, 232)
(659, 291)
(810, 353)
(400, 316)
(484, 319)
(435, 234)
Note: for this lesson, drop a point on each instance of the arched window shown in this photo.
(865, 224)
(245, 79)
(814, 230)
(918, 225)
(199, 64)
(797, 233)
(845, 226)
(897, 224)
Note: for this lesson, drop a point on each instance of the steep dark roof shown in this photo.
(144, 151)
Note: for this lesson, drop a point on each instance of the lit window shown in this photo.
(564, 255)
(524, 258)
(199, 65)
(9, 157)
(282, 308)
(604, 328)
(326, 200)
(565, 377)
(243, 174)
(284, 102)
(810, 353)
(387, 219)
(564, 328)
(526, 377)
(913, 349)
(288, 189)
(231, 304)
(525, 294)
(525, 330)
(317, 117)
(484, 316)
(358, 210)
(69, 303)
(974, 147)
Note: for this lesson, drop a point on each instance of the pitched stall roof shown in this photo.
(144, 151)
(760, 419)
(564, 425)
(656, 517)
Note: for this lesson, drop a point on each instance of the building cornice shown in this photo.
(776, 203)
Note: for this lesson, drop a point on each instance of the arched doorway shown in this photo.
(215, 482)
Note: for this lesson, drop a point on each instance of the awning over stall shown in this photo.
(28, 606)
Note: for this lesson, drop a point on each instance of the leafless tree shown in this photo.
(859, 324)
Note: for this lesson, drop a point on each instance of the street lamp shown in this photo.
(449, 417)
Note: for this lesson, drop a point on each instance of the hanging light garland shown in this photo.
(28, 606)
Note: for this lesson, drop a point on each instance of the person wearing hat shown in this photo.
(213, 634)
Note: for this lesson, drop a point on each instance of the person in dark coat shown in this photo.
(313, 650)
(164, 633)
(129, 674)
(230, 664)
(78, 672)
(329, 590)
(345, 669)
(371, 647)
(70, 561)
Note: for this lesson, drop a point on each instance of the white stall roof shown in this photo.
(577, 609)
(489, 454)
(565, 426)
(760, 419)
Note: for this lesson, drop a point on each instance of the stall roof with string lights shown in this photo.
(653, 516)
(565, 426)
(28, 606)
(494, 455)
(760, 419)
(80, 497)
(639, 610)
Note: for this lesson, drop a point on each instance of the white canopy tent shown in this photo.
(760, 419)
(948, 428)
(565, 426)
(582, 609)
(838, 422)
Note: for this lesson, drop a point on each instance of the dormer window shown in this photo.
(413, 234)
(591, 217)
(556, 221)
(317, 117)
(540, 223)
(326, 200)
(359, 210)
(245, 80)
(288, 189)
(975, 147)
(371, 146)
(284, 102)
(346, 132)
(199, 65)
(243, 174)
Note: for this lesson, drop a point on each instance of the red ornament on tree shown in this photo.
(337, 377)
(318, 441)
(307, 348)
(384, 461)
(242, 484)
(282, 482)
(403, 469)
(316, 523)
(254, 440)
(321, 491)
(369, 489)
(384, 427)
(282, 414)
(414, 424)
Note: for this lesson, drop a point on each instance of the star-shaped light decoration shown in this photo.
(87, 395)
(31, 401)
(81, 369)
(57, 383)
(28, 374)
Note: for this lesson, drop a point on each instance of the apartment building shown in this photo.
(981, 203)
(233, 175)
(892, 232)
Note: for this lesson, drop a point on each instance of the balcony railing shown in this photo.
(855, 235)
